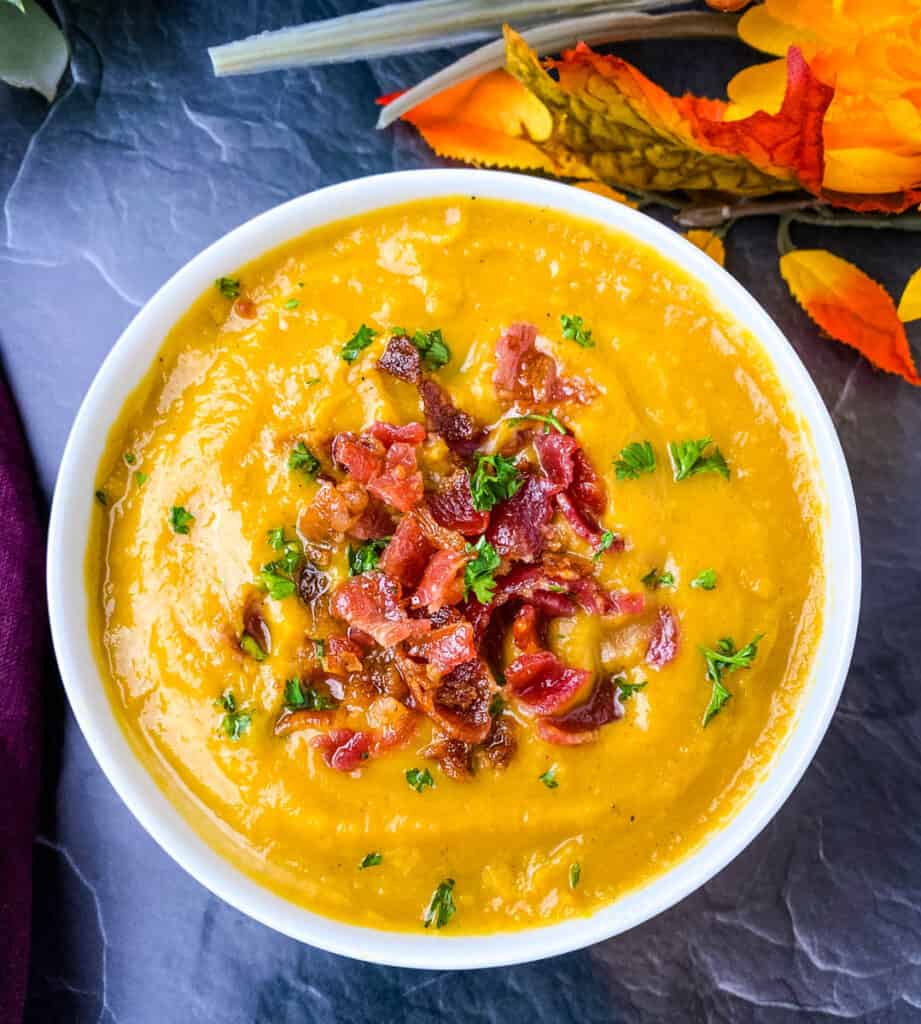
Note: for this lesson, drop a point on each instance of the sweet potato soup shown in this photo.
(458, 566)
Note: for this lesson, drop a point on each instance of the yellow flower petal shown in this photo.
(600, 189)
(869, 170)
(709, 243)
(910, 303)
(763, 32)
(760, 87)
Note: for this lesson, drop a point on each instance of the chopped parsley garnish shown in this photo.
(312, 380)
(319, 648)
(549, 420)
(130, 458)
(277, 577)
(635, 459)
(549, 777)
(575, 873)
(626, 690)
(435, 353)
(725, 658)
(361, 339)
(419, 778)
(689, 458)
(497, 705)
(654, 579)
(235, 722)
(292, 303)
(303, 459)
(441, 908)
(705, 581)
(575, 330)
(371, 860)
(140, 478)
(276, 537)
(180, 519)
(494, 479)
(365, 557)
(607, 539)
(479, 572)
(306, 698)
(229, 287)
(251, 646)
(278, 586)
(102, 497)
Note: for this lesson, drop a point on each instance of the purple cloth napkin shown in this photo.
(22, 636)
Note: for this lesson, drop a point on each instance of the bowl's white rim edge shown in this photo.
(177, 837)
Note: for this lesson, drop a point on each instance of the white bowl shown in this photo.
(71, 514)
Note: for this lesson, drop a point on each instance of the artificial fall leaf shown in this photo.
(709, 243)
(612, 123)
(851, 307)
(600, 189)
(910, 302)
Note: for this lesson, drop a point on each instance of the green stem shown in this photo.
(895, 222)
(784, 241)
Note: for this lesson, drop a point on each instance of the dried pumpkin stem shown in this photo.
(724, 213)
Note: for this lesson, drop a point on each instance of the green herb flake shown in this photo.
(705, 581)
(279, 587)
(319, 648)
(229, 287)
(441, 908)
(654, 579)
(549, 778)
(180, 519)
(303, 460)
(725, 658)
(130, 458)
(479, 574)
(140, 478)
(292, 304)
(626, 690)
(419, 778)
(364, 557)
(276, 537)
(635, 459)
(371, 860)
(607, 539)
(549, 420)
(575, 330)
(575, 874)
(689, 458)
(235, 722)
(361, 339)
(495, 479)
(497, 705)
(306, 698)
(250, 645)
(431, 345)
(102, 498)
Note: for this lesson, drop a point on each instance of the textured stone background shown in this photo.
(143, 160)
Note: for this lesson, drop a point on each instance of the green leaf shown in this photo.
(371, 860)
(705, 580)
(718, 697)
(689, 459)
(250, 645)
(302, 459)
(479, 574)
(180, 519)
(725, 658)
(635, 459)
(278, 586)
(549, 778)
(575, 874)
(234, 723)
(626, 690)
(130, 458)
(292, 304)
(276, 537)
(497, 705)
(574, 330)
(361, 339)
(140, 478)
(319, 648)
(431, 345)
(33, 50)
(549, 420)
(364, 557)
(607, 539)
(653, 579)
(229, 287)
(495, 479)
(419, 778)
(102, 497)
(306, 698)
(441, 908)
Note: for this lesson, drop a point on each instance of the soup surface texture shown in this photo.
(287, 693)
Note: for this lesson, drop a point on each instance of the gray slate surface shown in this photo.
(142, 161)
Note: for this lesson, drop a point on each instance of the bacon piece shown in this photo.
(593, 598)
(525, 629)
(401, 359)
(294, 721)
(388, 434)
(518, 525)
(343, 749)
(573, 482)
(255, 625)
(500, 745)
(458, 703)
(446, 648)
(452, 507)
(663, 643)
(371, 602)
(393, 724)
(543, 683)
(582, 523)
(400, 482)
(334, 509)
(556, 455)
(581, 725)
(524, 372)
(375, 522)
(452, 755)
(408, 553)
(438, 536)
(342, 656)
(587, 488)
(362, 456)
(442, 582)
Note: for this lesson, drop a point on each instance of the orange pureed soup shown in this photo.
(458, 566)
